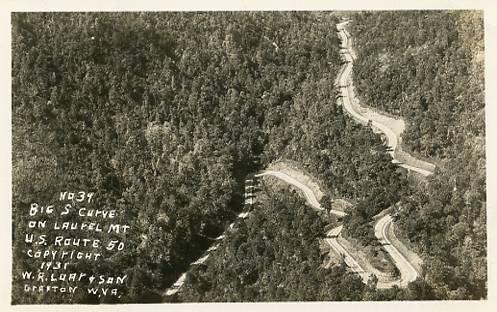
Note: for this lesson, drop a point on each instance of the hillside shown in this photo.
(163, 115)
(428, 68)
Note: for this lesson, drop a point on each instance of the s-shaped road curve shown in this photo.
(345, 83)
(407, 271)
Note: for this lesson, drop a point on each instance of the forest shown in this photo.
(428, 68)
(163, 115)
(273, 255)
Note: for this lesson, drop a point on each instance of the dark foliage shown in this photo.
(428, 68)
(273, 255)
(164, 114)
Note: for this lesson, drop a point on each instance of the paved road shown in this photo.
(345, 83)
(332, 241)
(333, 233)
(309, 194)
(407, 271)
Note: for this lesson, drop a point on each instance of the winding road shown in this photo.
(408, 273)
(308, 193)
(345, 84)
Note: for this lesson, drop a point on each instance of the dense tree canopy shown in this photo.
(428, 68)
(164, 114)
(273, 255)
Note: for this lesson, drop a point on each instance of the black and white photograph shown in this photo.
(239, 156)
